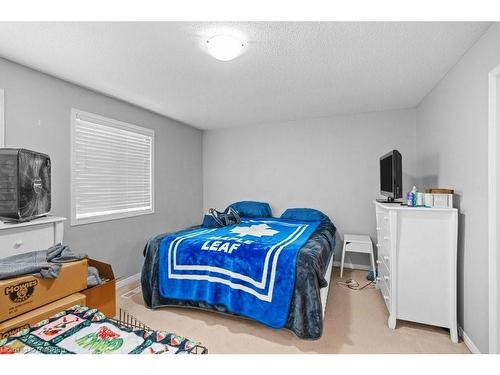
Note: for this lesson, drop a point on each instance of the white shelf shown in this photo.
(41, 220)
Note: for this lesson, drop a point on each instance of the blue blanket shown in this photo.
(249, 267)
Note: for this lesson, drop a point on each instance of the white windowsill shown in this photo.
(108, 217)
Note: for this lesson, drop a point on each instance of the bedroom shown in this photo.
(283, 128)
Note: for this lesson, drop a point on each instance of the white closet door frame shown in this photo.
(2, 119)
(493, 208)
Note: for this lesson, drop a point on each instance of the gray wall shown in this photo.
(331, 164)
(452, 141)
(37, 109)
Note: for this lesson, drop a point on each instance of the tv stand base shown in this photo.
(391, 201)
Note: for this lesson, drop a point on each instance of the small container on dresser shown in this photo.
(417, 264)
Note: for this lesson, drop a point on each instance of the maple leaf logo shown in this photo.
(254, 230)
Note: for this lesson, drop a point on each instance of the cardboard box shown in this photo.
(22, 321)
(22, 294)
(439, 191)
(103, 296)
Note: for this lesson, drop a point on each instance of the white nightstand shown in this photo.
(355, 243)
(38, 234)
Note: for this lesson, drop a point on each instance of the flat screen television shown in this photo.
(391, 179)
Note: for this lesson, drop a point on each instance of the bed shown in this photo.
(309, 287)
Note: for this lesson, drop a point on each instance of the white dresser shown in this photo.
(38, 234)
(417, 264)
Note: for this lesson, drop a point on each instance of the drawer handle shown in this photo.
(378, 245)
(379, 261)
(386, 278)
(386, 257)
(18, 243)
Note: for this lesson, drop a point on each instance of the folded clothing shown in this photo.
(45, 264)
(93, 277)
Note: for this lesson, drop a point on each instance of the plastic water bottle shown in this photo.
(414, 192)
(411, 197)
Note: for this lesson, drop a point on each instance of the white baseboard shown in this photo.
(354, 266)
(120, 283)
(468, 342)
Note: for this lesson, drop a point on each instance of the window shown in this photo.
(111, 169)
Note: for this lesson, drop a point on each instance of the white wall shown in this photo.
(452, 152)
(331, 164)
(37, 109)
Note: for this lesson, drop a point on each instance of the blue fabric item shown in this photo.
(370, 276)
(252, 209)
(304, 214)
(209, 222)
(305, 317)
(250, 267)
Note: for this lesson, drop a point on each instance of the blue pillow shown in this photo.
(252, 209)
(304, 214)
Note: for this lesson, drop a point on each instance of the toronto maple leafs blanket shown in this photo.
(305, 318)
(249, 267)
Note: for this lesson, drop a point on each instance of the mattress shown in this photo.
(305, 317)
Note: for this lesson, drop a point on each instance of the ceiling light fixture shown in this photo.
(225, 47)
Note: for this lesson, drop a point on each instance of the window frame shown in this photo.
(75, 113)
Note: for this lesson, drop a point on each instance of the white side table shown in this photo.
(38, 234)
(356, 243)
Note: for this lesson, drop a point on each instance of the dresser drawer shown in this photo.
(384, 273)
(384, 250)
(386, 294)
(384, 256)
(24, 239)
(383, 222)
(383, 229)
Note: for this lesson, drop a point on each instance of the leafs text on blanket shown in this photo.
(226, 247)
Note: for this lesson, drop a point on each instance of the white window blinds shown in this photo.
(112, 169)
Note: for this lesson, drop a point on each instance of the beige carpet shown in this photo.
(355, 322)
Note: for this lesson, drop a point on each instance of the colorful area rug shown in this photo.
(80, 330)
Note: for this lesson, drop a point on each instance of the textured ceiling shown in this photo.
(290, 71)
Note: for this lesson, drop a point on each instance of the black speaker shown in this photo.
(24, 184)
